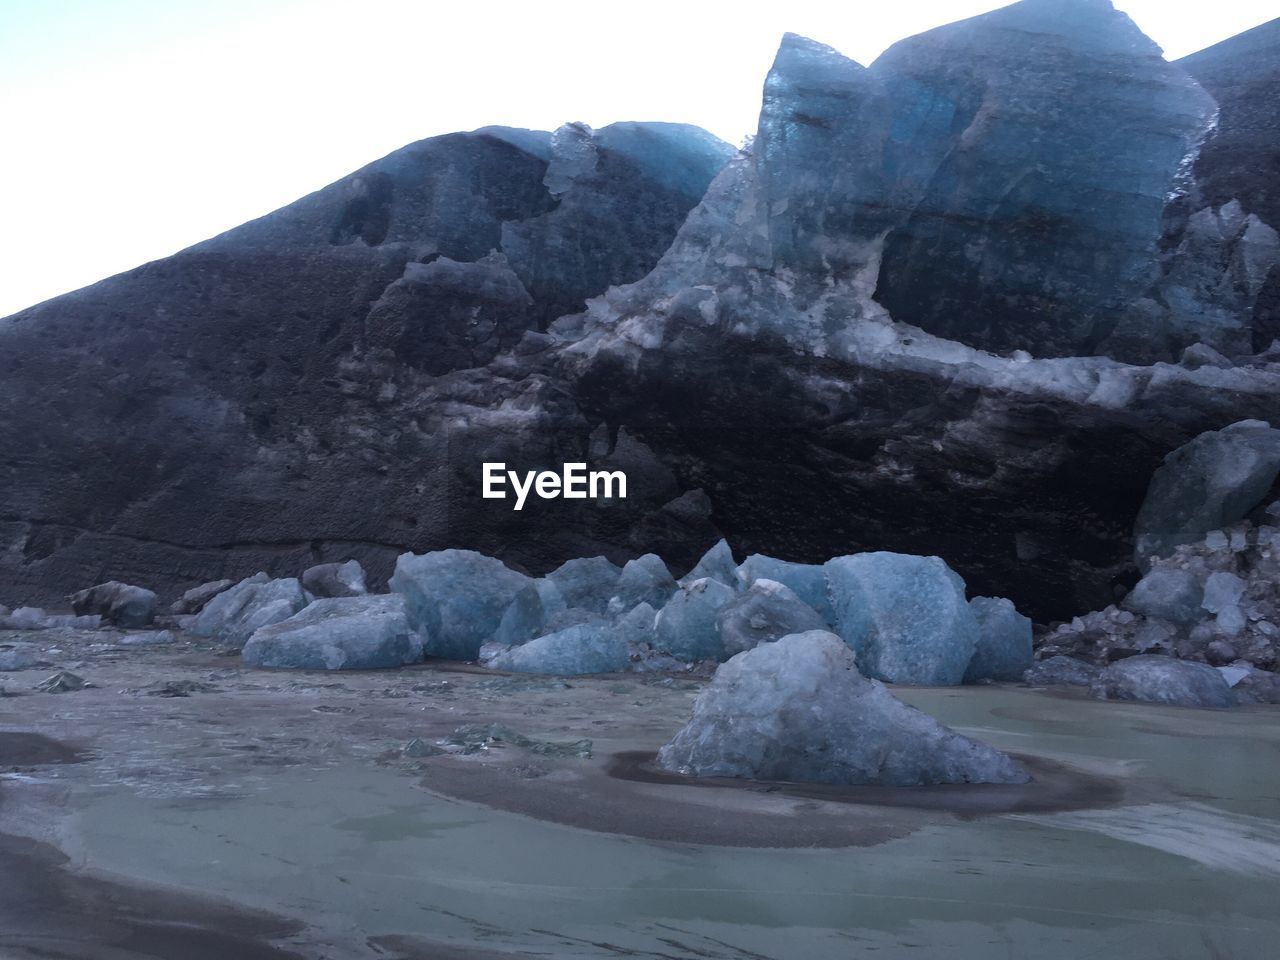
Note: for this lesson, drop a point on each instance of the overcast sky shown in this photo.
(132, 128)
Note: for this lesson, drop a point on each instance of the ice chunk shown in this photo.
(586, 582)
(258, 601)
(62, 682)
(523, 619)
(35, 618)
(1222, 593)
(1156, 679)
(1233, 674)
(808, 581)
(644, 580)
(768, 611)
(686, 626)
(194, 600)
(335, 580)
(637, 624)
(1003, 651)
(338, 633)
(149, 638)
(799, 710)
(1222, 590)
(1206, 484)
(716, 564)
(455, 599)
(118, 603)
(476, 738)
(905, 617)
(1168, 593)
(1249, 684)
(17, 656)
(1061, 671)
(586, 648)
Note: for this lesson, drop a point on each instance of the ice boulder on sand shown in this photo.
(35, 618)
(121, 604)
(1004, 641)
(254, 602)
(766, 612)
(686, 626)
(799, 710)
(585, 648)
(339, 633)
(1205, 485)
(18, 656)
(1156, 679)
(905, 617)
(455, 599)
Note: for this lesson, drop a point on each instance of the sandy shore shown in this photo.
(72, 762)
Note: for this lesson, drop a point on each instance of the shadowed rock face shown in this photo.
(324, 383)
(312, 385)
(1240, 161)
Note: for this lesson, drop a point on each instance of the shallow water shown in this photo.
(1190, 871)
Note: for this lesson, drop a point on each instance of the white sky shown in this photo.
(132, 128)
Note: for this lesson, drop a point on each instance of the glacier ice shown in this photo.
(18, 656)
(338, 633)
(906, 617)
(686, 625)
(585, 648)
(35, 618)
(586, 582)
(767, 611)
(258, 601)
(455, 599)
(808, 581)
(718, 564)
(523, 619)
(1157, 679)
(1003, 650)
(799, 710)
(645, 579)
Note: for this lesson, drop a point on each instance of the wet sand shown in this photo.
(278, 813)
(48, 910)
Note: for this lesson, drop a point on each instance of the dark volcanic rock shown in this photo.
(1207, 484)
(194, 600)
(1241, 159)
(311, 386)
(335, 580)
(121, 604)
